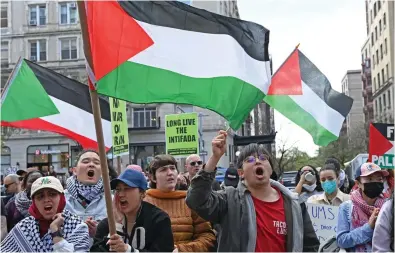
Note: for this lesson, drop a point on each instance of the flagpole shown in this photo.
(97, 119)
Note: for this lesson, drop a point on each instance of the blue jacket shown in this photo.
(348, 237)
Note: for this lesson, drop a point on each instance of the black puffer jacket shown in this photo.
(156, 229)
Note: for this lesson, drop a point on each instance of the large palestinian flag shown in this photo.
(170, 52)
(41, 99)
(381, 145)
(320, 110)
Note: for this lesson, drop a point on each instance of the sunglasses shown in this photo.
(254, 159)
(198, 163)
(8, 185)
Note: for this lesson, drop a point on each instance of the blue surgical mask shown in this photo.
(329, 186)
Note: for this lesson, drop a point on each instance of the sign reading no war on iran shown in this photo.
(324, 220)
(119, 125)
(182, 134)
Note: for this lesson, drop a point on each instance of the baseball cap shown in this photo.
(131, 178)
(49, 182)
(231, 177)
(367, 169)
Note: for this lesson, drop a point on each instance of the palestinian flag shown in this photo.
(381, 145)
(320, 110)
(40, 99)
(170, 52)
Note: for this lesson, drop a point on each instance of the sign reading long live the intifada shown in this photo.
(381, 145)
(119, 125)
(182, 137)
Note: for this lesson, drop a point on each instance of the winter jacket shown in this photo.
(191, 233)
(383, 235)
(13, 215)
(233, 209)
(96, 209)
(158, 236)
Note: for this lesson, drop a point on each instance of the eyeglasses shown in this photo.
(198, 163)
(253, 159)
(8, 185)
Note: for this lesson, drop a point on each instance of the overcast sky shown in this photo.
(331, 34)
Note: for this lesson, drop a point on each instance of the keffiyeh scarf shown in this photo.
(88, 192)
(25, 236)
(22, 203)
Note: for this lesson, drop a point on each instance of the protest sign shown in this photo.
(381, 145)
(324, 220)
(182, 134)
(119, 126)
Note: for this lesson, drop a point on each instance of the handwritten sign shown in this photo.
(119, 125)
(182, 134)
(324, 219)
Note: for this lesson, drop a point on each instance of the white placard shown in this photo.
(324, 219)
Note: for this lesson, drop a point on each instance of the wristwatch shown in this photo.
(57, 233)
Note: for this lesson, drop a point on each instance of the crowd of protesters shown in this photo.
(163, 209)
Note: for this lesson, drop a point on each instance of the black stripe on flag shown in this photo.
(67, 90)
(318, 82)
(253, 38)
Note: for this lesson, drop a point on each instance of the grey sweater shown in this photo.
(383, 238)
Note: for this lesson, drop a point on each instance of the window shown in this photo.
(4, 14)
(375, 9)
(4, 54)
(380, 28)
(372, 39)
(383, 76)
(384, 20)
(377, 56)
(55, 155)
(389, 99)
(5, 158)
(371, 16)
(144, 117)
(375, 33)
(68, 13)
(376, 107)
(378, 80)
(388, 71)
(38, 50)
(374, 62)
(68, 48)
(37, 15)
(378, 6)
(374, 83)
(385, 45)
(381, 51)
(380, 106)
(384, 101)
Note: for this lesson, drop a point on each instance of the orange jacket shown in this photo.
(191, 233)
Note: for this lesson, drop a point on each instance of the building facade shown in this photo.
(367, 93)
(48, 32)
(380, 19)
(352, 87)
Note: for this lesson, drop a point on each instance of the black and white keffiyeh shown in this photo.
(88, 192)
(25, 236)
(22, 203)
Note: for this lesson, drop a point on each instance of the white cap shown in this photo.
(46, 183)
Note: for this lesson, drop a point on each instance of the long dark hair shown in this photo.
(317, 177)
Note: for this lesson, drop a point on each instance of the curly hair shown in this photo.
(317, 177)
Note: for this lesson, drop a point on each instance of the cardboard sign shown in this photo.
(182, 137)
(381, 145)
(324, 219)
(119, 125)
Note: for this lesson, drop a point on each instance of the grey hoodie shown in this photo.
(383, 238)
(233, 209)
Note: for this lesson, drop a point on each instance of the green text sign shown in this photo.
(182, 134)
(119, 125)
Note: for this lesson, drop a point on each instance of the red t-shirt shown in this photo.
(271, 225)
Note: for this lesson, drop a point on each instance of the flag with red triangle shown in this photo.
(381, 145)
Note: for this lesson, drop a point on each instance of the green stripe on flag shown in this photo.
(143, 84)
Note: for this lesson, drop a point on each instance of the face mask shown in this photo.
(373, 189)
(329, 186)
(342, 177)
(310, 188)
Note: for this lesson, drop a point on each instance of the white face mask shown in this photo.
(310, 188)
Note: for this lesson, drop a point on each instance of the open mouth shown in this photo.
(47, 208)
(123, 203)
(91, 173)
(259, 171)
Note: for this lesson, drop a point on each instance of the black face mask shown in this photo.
(373, 189)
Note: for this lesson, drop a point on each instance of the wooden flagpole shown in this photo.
(97, 119)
